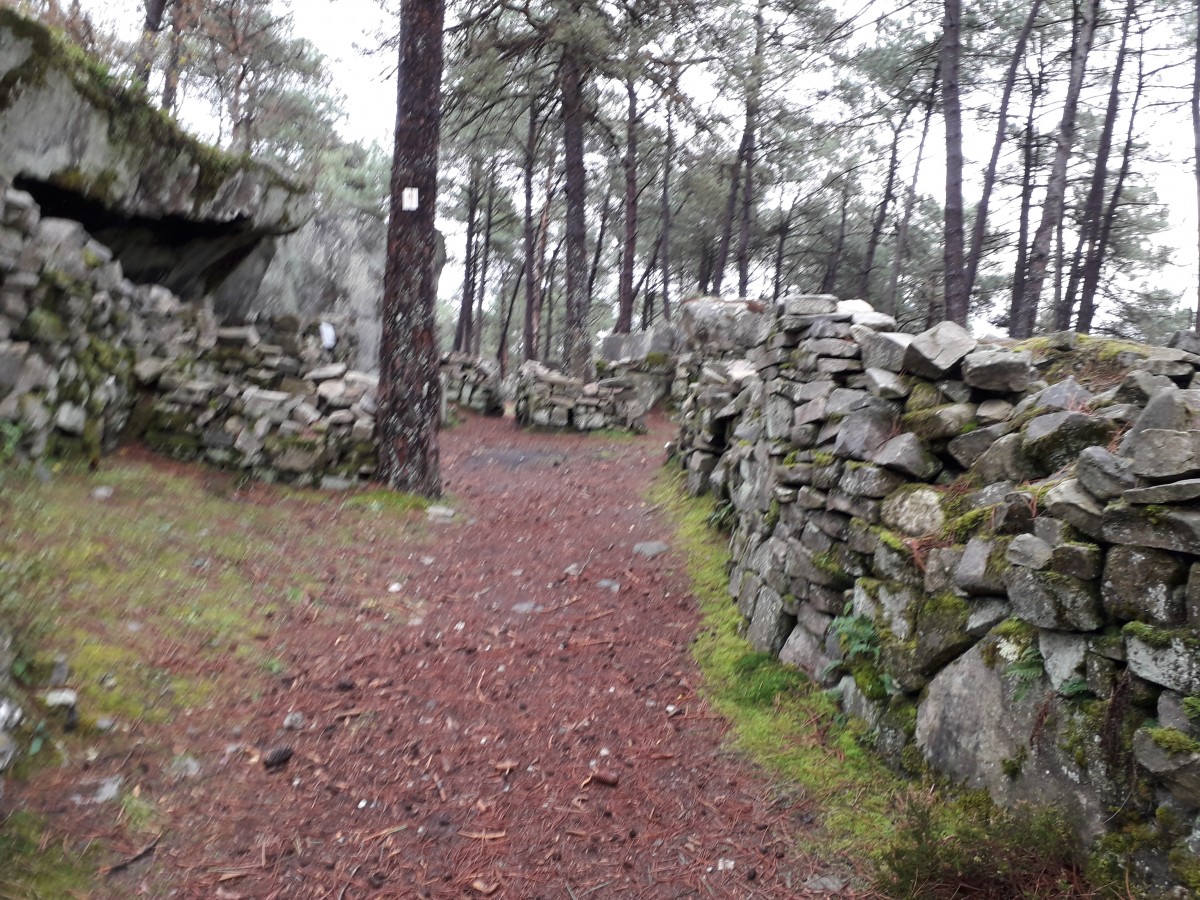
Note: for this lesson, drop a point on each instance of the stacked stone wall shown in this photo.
(991, 553)
(473, 383)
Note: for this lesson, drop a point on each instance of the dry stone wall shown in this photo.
(992, 554)
(472, 383)
(87, 357)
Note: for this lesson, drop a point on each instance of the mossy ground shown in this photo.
(166, 596)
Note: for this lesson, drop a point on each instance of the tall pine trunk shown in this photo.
(530, 350)
(485, 263)
(577, 345)
(466, 307)
(955, 292)
(1097, 253)
(1052, 207)
(409, 383)
(1029, 164)
(753, 105)
(1093, 206)
(881, 212)
(979, 229)
(1196, 162)
(629, 238)
(890, 304)
(664, 241)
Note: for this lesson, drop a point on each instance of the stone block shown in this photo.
(1056, 439)
(1145, 584)
(1000, 371)
(1050, 600)
(914, 512)
(1166, 659)
(906, 454)
(936, 352)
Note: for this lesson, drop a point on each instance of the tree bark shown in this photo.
(834, 263)
(979, 229)
(577, 344)
(889, 191)
(484, 264)
(1196, 162)
(152, 25)
(409, 382)
(735, 187)
(890, 305)
(753, 109)
(1093, 206)
(785, 226)
(664, 241)
(462, 331)
(629, 239)
(952, 232)
(1094, 261)
(502, 343)
(1029, 162)
(530, 350)
(1052, 206)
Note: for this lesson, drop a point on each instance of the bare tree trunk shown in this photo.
(785, 226)
(152, 25)
(183, 18)
(1099, 249)
(409, 380)
(577, 343)
(890, 305)
(540, 268)
(462, 332)
(502, 343)
(1093, 206)
(481, 286)
(1052, 206)
(1029, 163)
(753, 103)
(889, 192)
(629, 242)
(664, 242)
(1196, 162)
(547, 296)
(530, 350)
(979, 230)
(598, 250)
(952, 232)
(735, 187)
(834, 263)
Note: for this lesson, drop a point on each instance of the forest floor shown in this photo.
(290, 694)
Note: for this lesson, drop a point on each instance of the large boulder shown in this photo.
(976, 728)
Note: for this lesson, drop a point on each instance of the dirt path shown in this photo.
(502, 706)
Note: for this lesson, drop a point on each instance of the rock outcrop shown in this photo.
(174, 211)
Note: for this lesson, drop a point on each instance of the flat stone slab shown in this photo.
(650, 549)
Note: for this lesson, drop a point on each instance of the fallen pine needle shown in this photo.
(483, 835)
(387, 832)
(130, 860)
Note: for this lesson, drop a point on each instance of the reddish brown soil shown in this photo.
(530, 734)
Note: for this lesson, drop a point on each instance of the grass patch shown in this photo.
(381, 500)
(780, 718)
(29, 870)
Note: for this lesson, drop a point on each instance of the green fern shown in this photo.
(1026, 671)
(858, 637)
